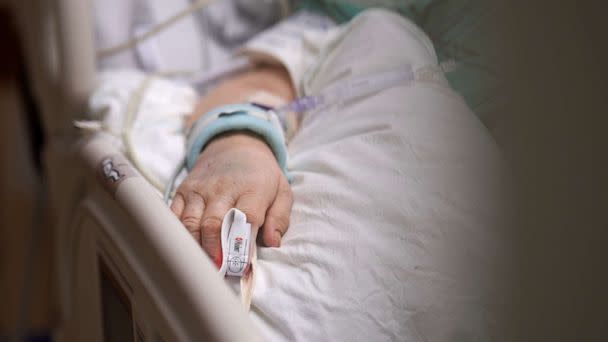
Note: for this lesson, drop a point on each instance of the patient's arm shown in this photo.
(272, 79)
(237, 169)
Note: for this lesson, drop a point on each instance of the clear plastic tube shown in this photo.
(349, 90)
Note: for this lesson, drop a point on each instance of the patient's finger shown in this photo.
(254, 206)
(211, 225)
(177, 205)
(192, 213)
(277, 217)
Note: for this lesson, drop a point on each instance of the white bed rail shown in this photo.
(174, 284)
(157, 252)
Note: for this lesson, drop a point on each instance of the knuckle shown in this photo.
(189, 184)
(195, 196)
(211, 226)
(254, 207)
(254, 216)
(179, 196)
(192, 186)
(191, 223)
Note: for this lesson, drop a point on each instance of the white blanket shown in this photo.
(395, 226)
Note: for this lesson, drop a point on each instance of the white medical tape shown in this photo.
(235, 241)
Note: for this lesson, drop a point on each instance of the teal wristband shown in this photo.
(237, 117)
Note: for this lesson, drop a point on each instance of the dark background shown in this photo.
(556, 142)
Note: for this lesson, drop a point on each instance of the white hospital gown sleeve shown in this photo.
(295, 42)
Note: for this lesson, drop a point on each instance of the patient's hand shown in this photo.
(236, 170)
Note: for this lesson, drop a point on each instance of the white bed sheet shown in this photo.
(396, 227)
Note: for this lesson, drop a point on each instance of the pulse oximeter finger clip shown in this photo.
(236, 243)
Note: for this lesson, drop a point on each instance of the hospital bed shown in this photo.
(128, 270)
